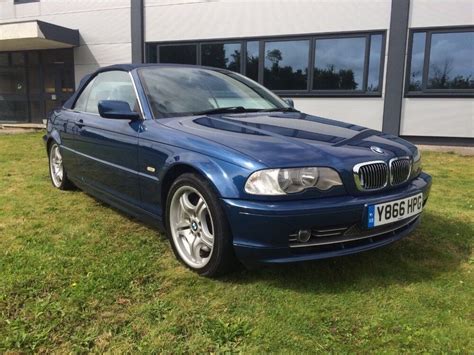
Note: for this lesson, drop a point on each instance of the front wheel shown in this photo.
(56, 169)
(198, 228)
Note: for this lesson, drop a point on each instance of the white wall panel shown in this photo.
(7, 10)
(367, 112)
(27, 10)
(438, 117)
(78, 6)
(104, 27)
(103, 54)
(177, 20)
(432, 13)
(97, 27)
(81, 70)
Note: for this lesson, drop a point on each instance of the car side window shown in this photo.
(111, 85)
(81, 102)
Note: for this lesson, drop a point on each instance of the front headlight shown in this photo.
(287, 181)
(417, 167)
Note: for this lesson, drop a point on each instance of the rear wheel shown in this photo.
(198, 228)
(56, 169)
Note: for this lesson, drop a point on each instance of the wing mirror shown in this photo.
(289, 101)
(117, 109)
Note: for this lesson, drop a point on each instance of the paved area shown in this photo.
(7, 128)
(466, 151)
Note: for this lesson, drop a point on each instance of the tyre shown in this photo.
(198, 228)
(57, 172)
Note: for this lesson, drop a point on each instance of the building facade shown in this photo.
(402, 66)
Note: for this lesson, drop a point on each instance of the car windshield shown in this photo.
(181, 91)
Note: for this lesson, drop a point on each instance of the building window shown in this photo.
(180, 54)
(342, 64)
(441, 62)
(13, 87)
(286, 65)
(12, 80)
(221, 55)
(339, 64)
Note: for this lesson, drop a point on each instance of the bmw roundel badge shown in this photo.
(377, 150)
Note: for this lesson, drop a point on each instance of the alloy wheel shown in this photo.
(192, 227)
(56, 165)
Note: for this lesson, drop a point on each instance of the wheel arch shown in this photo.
(171, 175)
(220, 179)
(49, 142)
(53, 136)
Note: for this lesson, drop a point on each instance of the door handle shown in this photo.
(79, 123)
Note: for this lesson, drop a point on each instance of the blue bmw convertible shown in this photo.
(231, 171)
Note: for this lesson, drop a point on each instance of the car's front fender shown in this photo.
(228, 179)
(52, 135)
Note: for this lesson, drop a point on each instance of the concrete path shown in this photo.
(13, 128)
(465, 151)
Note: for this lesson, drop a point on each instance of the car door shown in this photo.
(107, 149)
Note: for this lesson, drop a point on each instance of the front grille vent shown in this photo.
(375, 175)
(327, 232)
(325, 235)
(400, 169)
(341, 237)
(371, 175)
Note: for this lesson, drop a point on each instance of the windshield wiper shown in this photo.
(230, 109)
(241, 109)
(280, 109)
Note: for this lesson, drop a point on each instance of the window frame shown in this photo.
(20, 2)
(425, 92)
(244, 60)
(312, 37)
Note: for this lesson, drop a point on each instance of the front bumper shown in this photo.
(262, 230)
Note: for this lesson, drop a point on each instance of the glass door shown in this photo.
(58, 82)
(32, 83)
(13, 88)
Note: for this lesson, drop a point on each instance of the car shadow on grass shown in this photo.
(439, 245)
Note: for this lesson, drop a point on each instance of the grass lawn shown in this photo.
(76, 275)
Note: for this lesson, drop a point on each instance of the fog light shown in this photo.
(303, 235)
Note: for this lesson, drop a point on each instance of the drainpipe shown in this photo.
(137, 30)
(397, 44)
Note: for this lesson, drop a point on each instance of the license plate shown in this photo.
(393, 211)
